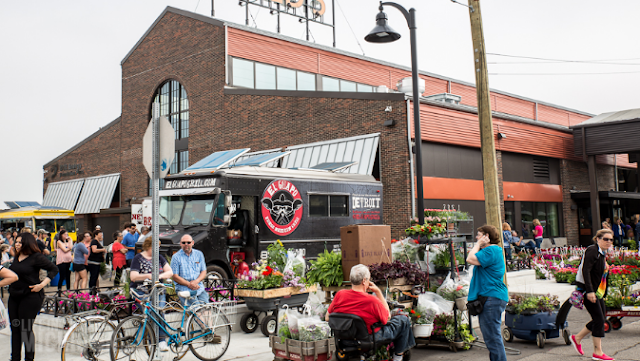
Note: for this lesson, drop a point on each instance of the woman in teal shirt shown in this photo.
(487, 282)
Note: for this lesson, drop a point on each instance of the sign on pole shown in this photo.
(167, 147)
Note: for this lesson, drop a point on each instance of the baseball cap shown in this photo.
(98, 227)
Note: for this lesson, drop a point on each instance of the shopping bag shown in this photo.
(4, 316)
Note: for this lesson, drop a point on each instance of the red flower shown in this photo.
(413, 311)
(268, 271)
(416, 241)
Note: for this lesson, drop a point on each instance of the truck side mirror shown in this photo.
(227, 199)
(227, 220)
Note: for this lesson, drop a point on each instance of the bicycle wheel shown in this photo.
(88, 340)
(130, 341)
(212, 330)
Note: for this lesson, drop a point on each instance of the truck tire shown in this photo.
(217, 272)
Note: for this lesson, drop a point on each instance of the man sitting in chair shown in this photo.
(372, 309)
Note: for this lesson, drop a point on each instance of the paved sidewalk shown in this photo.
(623, 344)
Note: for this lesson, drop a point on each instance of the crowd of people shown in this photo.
(30, 263)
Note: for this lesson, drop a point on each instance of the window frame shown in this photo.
(328, 195)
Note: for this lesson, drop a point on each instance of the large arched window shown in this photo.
(175, 106)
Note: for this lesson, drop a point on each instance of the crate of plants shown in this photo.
(302, 337)
(534, 318)
(397, 274)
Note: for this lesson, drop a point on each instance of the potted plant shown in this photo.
(422, 320)
(397, 273)
(326, 270)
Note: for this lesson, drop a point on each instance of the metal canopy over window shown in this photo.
(97, 193)
(261, 159)
(335, 166)
(18, 204)
(596, 135)
(218, 160)
(361, 149)
(63, 194)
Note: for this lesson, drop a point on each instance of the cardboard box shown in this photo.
(366, 244)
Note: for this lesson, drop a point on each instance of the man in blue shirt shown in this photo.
(129, 241)
(189, 269)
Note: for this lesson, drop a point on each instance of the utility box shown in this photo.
(366, 244)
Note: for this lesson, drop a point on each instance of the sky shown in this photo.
(60, 74)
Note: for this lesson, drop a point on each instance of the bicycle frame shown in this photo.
(152, 314)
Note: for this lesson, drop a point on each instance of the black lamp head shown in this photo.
(382, 33)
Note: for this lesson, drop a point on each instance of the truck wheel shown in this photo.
(217, 272)
(249, 322)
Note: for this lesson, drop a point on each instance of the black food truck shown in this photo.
(244, 209)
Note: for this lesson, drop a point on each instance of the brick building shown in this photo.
(226, 86)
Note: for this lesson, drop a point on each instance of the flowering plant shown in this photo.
(290, 279)
(533, 304)
(262, 276)
(421, 315)
(386, 271)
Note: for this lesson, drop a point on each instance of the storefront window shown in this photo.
(546, 213)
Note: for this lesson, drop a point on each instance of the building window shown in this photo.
(174, 104)
(546, 213)
(180, 163)
(242, 73)
(255, 75)
(328, 206)
(265, 76)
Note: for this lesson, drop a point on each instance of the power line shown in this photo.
(602, 61)
(348, 23)
(620, 72)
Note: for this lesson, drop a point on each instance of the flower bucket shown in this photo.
(461, 303)
(423, 330)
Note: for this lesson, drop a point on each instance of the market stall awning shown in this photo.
(63, 194)
(97, 193)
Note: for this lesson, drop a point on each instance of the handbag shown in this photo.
(577, 299)
(476, 307)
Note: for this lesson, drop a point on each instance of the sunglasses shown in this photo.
(186, 242)
(607, 239)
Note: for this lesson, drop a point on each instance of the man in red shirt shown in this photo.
(372, 309)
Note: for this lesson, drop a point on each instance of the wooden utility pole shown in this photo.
(487, 143)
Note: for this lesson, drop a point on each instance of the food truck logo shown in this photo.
(281, 207)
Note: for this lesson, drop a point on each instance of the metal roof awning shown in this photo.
(19, 204)
(608, 133)
(97, 193)
(584, 195)
(217, 160)
(188, 191)
(63, 194)
(334, 166)
(260, 160)
(361, 149)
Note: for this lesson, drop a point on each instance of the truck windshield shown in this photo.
(170, 210)
(197, 211)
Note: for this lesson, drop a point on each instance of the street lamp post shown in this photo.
(382, 33)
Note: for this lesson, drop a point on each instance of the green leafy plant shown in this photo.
(271, 281)
(326, 270)
(276, 253)
(443, 259)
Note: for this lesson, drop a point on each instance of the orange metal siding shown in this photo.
(553, 115)
(473, 190)
(467, 93)
(514, 106)
(434, 86)
(449, 126)
(352, 69)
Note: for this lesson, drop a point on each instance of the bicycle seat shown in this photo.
(187, 294)
(107, 296)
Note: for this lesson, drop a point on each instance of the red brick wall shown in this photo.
(575, 174)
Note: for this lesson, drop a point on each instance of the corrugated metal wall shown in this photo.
(247, 45)
(63, 194)
(97, 193)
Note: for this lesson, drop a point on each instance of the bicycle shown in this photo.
(206, 332)
(90, 333)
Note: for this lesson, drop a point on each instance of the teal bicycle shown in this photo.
(202, 328)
